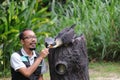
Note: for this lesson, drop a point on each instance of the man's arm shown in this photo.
(28, 71)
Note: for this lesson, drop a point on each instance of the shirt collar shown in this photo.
(25, 54)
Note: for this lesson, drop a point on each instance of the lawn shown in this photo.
(104, 71)
(98, 71)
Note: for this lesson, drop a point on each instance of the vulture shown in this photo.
(63, 38)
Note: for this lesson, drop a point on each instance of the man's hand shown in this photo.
(44, 53)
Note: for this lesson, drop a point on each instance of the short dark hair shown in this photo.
(21, 34)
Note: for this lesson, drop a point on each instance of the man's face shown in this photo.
(29, 40)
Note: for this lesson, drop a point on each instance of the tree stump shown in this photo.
(69, 62)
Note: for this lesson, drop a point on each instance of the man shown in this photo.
(26, 64)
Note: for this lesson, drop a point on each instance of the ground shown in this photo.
(94, 75)
(97, 71)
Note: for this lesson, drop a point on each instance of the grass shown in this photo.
(104, 71)
(97, 71)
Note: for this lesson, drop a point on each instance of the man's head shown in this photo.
(28, 39)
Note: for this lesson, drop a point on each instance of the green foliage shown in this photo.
(15, 16)
(98, 20)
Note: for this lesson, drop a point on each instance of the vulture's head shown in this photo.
(64, 37)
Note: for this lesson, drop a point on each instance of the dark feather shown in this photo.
(66, 35)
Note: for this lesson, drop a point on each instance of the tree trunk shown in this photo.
(69, 62)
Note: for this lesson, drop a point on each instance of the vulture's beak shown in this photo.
(52, 43)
